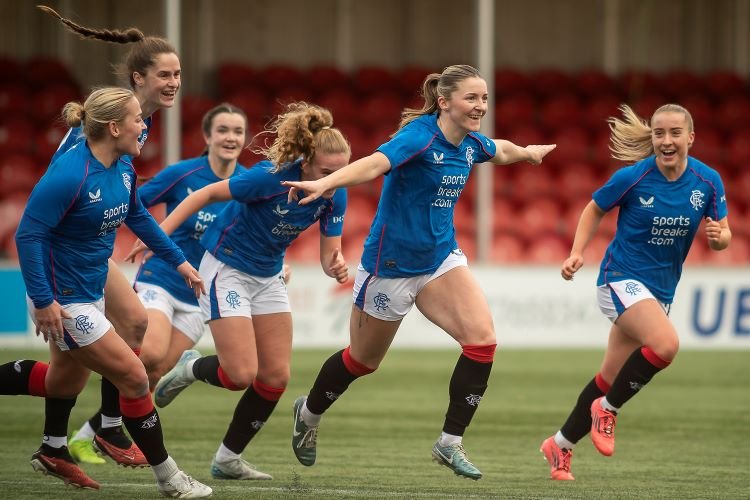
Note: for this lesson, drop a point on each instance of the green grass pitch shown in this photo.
(687, 435)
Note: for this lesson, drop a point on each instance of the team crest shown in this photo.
(696, 199)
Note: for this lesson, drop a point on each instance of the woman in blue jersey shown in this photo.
(411, 255)
(663, 197)
(247, 306)
(175, 322)
(153, 72)
(64, 240)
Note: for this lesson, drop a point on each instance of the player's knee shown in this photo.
(240, 377)
(666, 348)
(132, 327)
(133, 383)
(274, 378)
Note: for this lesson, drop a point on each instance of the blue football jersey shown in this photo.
(657, 222)
(171, 186)
(413, 230)
(67, 232)
(254, 230)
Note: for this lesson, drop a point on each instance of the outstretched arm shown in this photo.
(587, 226)
(363, 170)
(507, 152)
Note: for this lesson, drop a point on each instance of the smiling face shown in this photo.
(467, 104)
(324, 164)
(227, 137)
(158, 87)
(671, 137)
(129, 129)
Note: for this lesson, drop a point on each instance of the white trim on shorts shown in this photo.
(86, 324)
(185, 317)
(232, 293)
(390, 299)
(616, 297)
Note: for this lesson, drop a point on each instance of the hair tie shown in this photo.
(326, 127)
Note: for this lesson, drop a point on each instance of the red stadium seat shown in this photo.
(411, 78)
(254, 102)
(732, 113)
(736, 254)
(370, 79)
(725, 84)
(289, 94)
(324, 78)
(646, 105)
(682, 84)
(360, 211)
(193, 109)
(538, 217)
(698, 254)
(14, 99)
(637, 83)
(737, 150)
(738, 192)
(507, 248)
(515, 110)
(548, 249)
(573, 145)
(16, 135)
(594, 251)
(11, 211)
(467, 242)
(464, 218)
(531, 183)
(40, 71)
(592, 83)
(306, 248)
(702, 110)
(233, 77)
(343, 105)
(560, 112)
(49, 102)
(598, 110)
(525, 135)
(277, 76)
(551, 82)
(504, 218)
(381, 109)
(510, 81)
(12, 71)
(47, 142)
(708, 146)
(576, 181)
(193, 142)
(18, 174)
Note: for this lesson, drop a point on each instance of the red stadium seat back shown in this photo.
(576, 181)
(572, 215)
(254, 102)
(16, 135)
(12, 71)
(193, 142)
(560, 112)
(702, 110)
(411, 78)
(343, 105)
(737, 150)
(325, 78)
(736, 254)
(46, 143)
(724, 84)
(698, 253)
(510, 81)
(464, 218)
(595, 250)
(467, 242)
(306, 247)
(19, 173)
(646, 105)
(11, 211)
(525, 135)
(49, 102)
(507, 248)
(504, 217)
(360, 211)
(732, 114)
(42, 71)
(637, 83)
(540, 216)
(514, 111)
(573, 145)
(531, 183)
(290, 94)
(381, 109)
(551, 82)
(737, 188)
(193, 109)
(547, 249)
(591, 83)
(598, 110)
(708, 146)
(277, 76)
(372, 79)
(234, 77)
(682, 84)
(14, 99)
